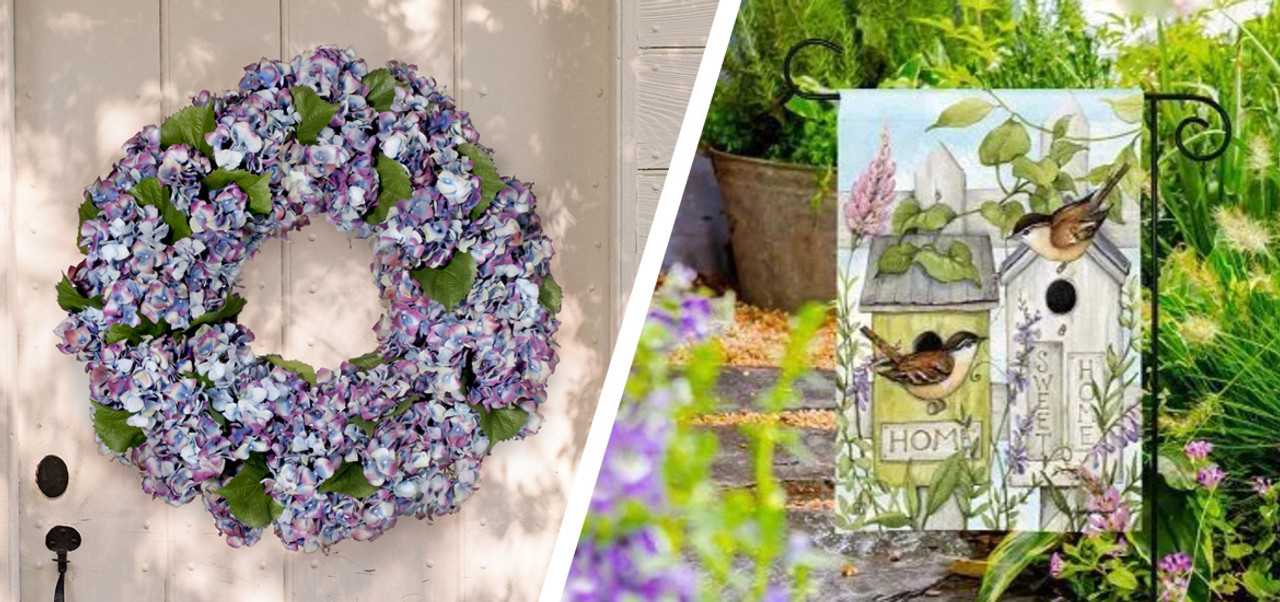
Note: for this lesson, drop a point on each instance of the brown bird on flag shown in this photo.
(929, 375)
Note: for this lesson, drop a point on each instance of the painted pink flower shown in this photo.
(868, 206)
(1198, 450)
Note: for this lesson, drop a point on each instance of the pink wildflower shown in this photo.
(1198, 450)
(868, 205)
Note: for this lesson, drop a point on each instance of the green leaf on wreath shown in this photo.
(298, 367)
(490, 182)
(114, 431)
(314, 113)
(501, 424)
(365, 425)
(135, 334)
(382, 89)
(1003, 144)
(1002, 215)
(962, 114)
(247, 496)
(348, 479)
(149, 192)
(908, 217)
(896, 259)
(550, 294)
(448, 284)
(188, 127)
(954, 266)
(367, 361)
(256, 186)
(393, 181)
(229, 311)
(70, 298)
(88, 211)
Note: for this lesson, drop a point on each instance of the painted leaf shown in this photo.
(367, 361)
(490, 182)
(1002, 215)
(1064, 183)
(943, 484)
(502, 423)
(550, 294)
(113, 430)
(1003, 144)
(908, 217)
(1061, 126)
(1007, 561)
(256, 186)
(897, 259)
(1040, 173)
(890, 520)
(314, 113)
(963, 114)
(382, 89)
(1063, 151)
(70, 298)
(247, 496)
(393, 185)
(188, 127)
(1127, 109)
(348, 479)
(954, 266)
(298, 367)
(448, 284)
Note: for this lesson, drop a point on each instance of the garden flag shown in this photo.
(988, 277)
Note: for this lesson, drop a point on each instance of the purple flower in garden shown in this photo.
(634, 566)
(1262, 486)
(1055, 566)
(1174, 573)
(1198, 450)
(1210, 476)
(868, 206)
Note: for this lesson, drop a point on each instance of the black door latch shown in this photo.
(61, 539)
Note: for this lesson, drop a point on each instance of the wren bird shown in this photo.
(1064, 236)
(930, 375)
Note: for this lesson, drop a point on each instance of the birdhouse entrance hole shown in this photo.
(1061, 297)
(927, 341)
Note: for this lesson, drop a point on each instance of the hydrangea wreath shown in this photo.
(460, 259)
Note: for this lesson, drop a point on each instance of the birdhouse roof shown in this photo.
(916, 291)
(1102, 251)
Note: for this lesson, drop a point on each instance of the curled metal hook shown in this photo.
(1180, 133)
(792, 88)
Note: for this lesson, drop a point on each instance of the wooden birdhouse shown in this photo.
(1079, 305)
(915, 312)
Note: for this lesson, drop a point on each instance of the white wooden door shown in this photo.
(81, 76)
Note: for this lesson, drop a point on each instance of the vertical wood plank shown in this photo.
(87, 78)
(332, 304)
(674, 23)
(205, 47)
(542, 97)
(8, 321)
(664, 80)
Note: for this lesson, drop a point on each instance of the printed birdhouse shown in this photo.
(931, 394)
(987, 244)
(1067, 317)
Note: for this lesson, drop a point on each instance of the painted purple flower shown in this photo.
(1198, 450)
(868, 206)
(1210, 476)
